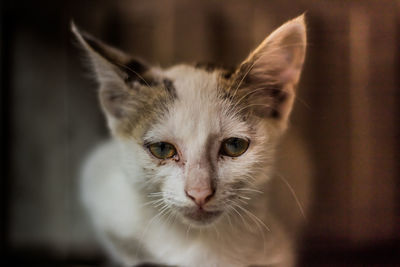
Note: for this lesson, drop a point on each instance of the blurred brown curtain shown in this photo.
(347, 109)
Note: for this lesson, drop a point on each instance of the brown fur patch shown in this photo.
(143, 108)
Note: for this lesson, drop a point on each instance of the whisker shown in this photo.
(155, 194)
(257, 221)
(238, 213)
(216, 230)
(251, 105)
(250, 190)
(188, 229)
(249, 93)
(254, 217)
(168, 220)
(250, 177)
(150, 222)
(153, 202)
(241, 200)
(228, 213)
(244, 76)
(247, 198)
(294, 195)
(134, 72)
(301, 101)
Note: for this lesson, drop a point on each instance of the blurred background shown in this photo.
(348, 111)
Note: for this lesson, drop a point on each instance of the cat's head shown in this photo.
(197, 140)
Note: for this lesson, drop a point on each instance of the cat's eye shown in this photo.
(234, 146)
(162, 150)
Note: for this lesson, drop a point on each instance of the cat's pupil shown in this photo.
(235, 144)
(163, 150)
(162, 147)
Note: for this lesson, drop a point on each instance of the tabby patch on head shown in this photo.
(202, 133)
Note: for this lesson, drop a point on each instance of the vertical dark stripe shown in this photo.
(169, 86)
(211, 139)
(6, 37)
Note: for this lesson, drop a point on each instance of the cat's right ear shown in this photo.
(115, 71)
(268, 78)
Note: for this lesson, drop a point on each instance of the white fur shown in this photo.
(112, 178)
(134, 198)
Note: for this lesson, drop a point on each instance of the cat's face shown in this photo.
(202, 154)
(203, 139)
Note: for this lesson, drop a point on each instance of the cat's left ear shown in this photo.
(109, 63)
(118, 75)
(266, 81)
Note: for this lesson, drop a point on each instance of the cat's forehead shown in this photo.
(199, 109)
(198, 103)
(190, 81)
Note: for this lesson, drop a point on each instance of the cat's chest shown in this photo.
(178, 247)
(177, 252)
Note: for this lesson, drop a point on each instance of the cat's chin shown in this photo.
(200, 217)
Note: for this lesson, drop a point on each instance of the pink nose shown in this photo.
(200, 196)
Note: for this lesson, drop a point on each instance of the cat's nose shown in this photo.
(200, 196)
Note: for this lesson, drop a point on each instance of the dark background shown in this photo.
(348, 112)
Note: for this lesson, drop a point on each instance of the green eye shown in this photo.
(162, 150)
(234, 147)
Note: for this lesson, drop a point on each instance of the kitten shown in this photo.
(184, 181)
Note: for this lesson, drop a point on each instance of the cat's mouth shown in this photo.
(200, 216)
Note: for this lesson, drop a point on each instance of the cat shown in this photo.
(187, 178)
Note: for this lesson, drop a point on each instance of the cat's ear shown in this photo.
(267, 79)
(115, 72)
